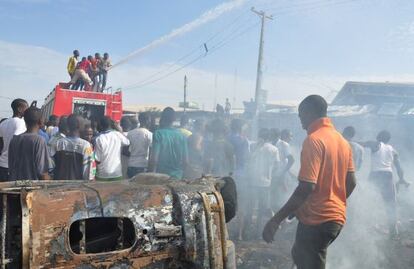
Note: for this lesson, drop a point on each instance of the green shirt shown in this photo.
(170, 145)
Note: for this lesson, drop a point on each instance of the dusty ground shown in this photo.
(363, 243)
(386, 253)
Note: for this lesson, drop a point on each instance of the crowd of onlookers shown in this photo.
(90, 73)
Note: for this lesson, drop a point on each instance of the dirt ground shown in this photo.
(363, 243)
(391, 253)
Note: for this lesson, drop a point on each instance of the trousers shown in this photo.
(311, 244)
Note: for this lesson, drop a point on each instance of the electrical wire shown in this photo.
(213, 49)
(281, 12)
(198, 58)
(211, 38)
(292, 9)
(203, 46)
(292, 4)
(296, 6)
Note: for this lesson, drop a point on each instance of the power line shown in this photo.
(212, 37)
(316, 5)
(213, 49)
(292, 5)
(198, 58)
(203, 46)
(281, 11)
(297, 6)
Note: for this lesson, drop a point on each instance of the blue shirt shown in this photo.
(44, 135)
(241, 152)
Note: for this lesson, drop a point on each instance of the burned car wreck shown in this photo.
(146, 222)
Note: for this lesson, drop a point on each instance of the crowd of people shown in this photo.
(90, 73)
(72, 148)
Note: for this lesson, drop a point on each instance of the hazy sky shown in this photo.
(311, 46)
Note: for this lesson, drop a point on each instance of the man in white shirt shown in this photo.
(383, 157)
(283, 178)
(139, 148)
(8, 129)
(357, 150)
(108, 146)
(264, 160)
(274, 136)
(286, 157)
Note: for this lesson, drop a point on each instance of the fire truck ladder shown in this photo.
(115, 105)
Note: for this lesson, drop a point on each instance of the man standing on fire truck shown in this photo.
(73, 61)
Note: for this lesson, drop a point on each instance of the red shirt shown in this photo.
(94, 63)
(85, 65)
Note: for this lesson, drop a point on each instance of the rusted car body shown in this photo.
(146, 222)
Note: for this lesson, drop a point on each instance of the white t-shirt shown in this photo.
(108, 153)
(383, 159)
(357, 154)
(284, 152)
(8, 129)
(263, 161)
(140, 142)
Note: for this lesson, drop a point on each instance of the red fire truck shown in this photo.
(90, 105)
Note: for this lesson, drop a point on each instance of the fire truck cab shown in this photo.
(90, 105)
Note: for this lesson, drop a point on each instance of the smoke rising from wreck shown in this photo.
(365, 242)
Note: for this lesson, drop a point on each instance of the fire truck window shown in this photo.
(99, 235)
(88, 111)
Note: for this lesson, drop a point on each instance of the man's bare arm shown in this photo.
(400, 171)
(299, 196)
(289, 164)
(152, 165)
(350, 183)
(397, 165)
(373, 145)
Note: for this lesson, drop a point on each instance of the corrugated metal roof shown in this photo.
(375, 93)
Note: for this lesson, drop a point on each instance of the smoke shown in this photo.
(206, 17)
(364, 241)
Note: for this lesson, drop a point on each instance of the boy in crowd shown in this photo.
(28, 153)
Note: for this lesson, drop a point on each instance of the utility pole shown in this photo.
(185, 93)
(263, 17)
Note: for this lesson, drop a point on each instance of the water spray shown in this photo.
(206, 17)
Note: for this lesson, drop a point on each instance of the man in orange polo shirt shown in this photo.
(326, 180)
